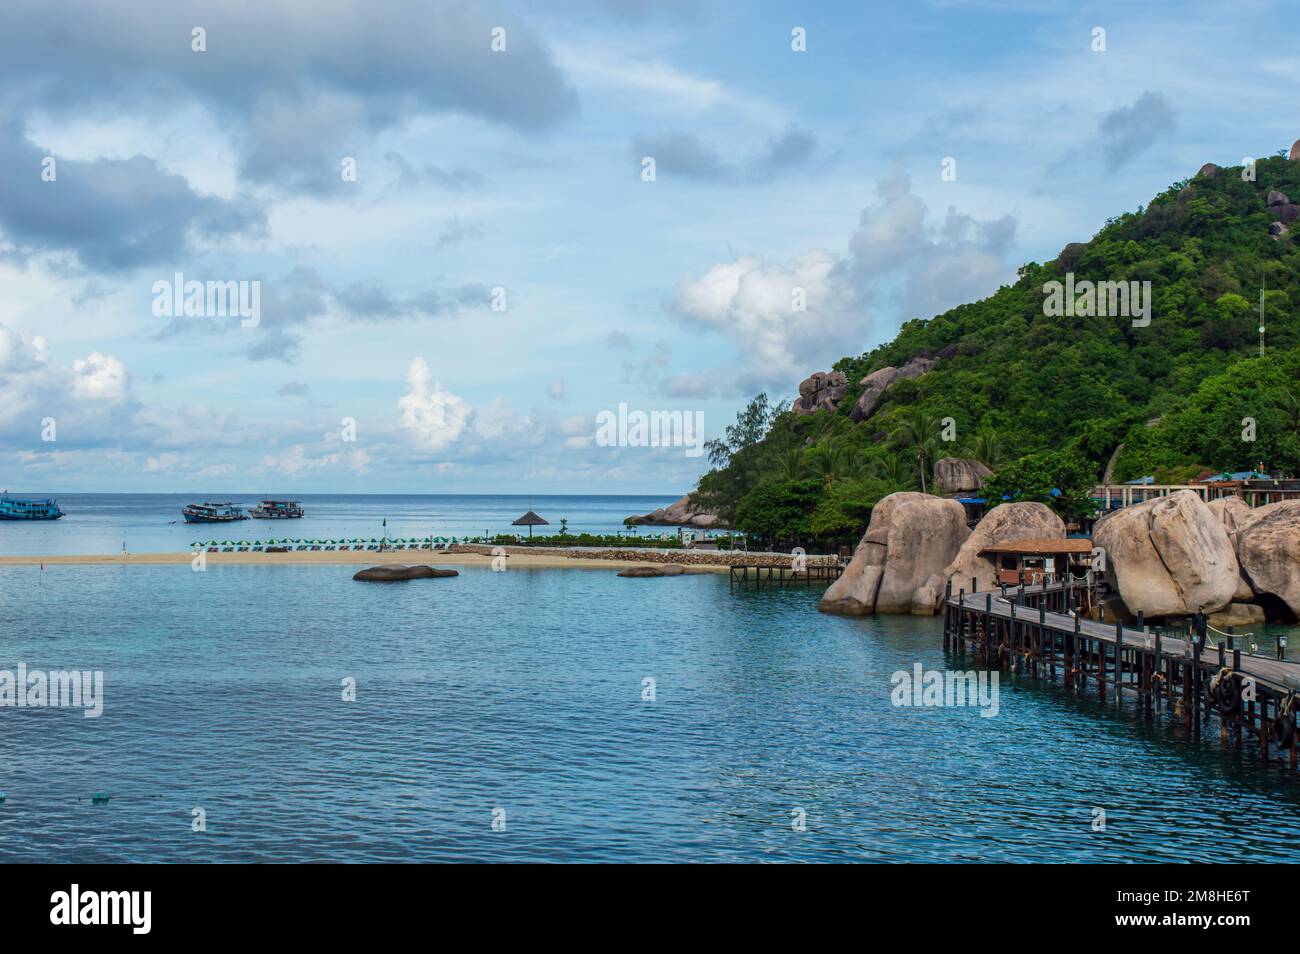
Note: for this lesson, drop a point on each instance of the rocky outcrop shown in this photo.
(959, 475)
(1295, 151)
(875, 384)
(394, 572)
(1268, 547)
(1209, 169)
(682, 513)
(820, 391)
(1276, 198)
(900, 559)
(1277, 230)
(1003, 524)
(1169, 557)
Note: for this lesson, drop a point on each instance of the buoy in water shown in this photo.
(99, 798)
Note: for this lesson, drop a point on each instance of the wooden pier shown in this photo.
(763, 576)
(1036, 630)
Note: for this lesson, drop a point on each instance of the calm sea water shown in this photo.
(522, 691)
(152, 523)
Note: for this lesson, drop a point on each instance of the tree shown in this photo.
(751, 426)
(778, 510)
(792, 465)
(1060, 479)
(987, 448)
(828, 462)
(919, 429)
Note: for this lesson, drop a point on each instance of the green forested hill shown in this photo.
(1044, 400)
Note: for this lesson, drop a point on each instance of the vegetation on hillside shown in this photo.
(1045, 401)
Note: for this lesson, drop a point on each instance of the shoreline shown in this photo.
(713, 561)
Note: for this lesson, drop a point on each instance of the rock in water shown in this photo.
(956, 475)
(1002, 524)
(1169, 557)
(665, 569)
(394, 572)
(1268, 546)
(911, 538)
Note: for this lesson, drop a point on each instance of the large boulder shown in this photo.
(820, 391)
(1268, 547)
(1277, 198)
(1232, 512)
(1295, 151)
(1208, 169)
(909, 541)
(1003, 524)
(1169, 557)
(682, 513)
(874, 386)
(394, 572)
(956, 475)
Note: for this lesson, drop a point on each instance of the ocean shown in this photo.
(152, 523)
(561, 715)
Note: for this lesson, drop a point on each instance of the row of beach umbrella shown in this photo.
(356, 543)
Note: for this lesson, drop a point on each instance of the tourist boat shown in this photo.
(213, 513)
(277, 510)
(11, 508)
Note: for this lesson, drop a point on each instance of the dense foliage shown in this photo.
(1046, 401)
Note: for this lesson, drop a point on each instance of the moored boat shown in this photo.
(277, 510)
(13, 508)
(209, 512)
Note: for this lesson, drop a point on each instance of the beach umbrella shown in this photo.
(530, 520)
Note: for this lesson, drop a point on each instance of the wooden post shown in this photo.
(1119, 662)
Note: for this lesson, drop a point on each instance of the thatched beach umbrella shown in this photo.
(530, 520)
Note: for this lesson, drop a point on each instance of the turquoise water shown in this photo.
(522, 691)
(152, 523)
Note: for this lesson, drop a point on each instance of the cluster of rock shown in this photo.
(916, 543)
(395, 572)
(824, 390)
(1177, 555)
(820, 391)
(666, 569)
(683, 513)
(1278, 203)
(649, 555)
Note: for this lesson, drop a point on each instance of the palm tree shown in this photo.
(893, 469)
(987, 448)
(920, 430)
(792, 465)
(1291, 408)
(828, 462)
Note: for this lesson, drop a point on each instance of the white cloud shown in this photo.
(435, 417)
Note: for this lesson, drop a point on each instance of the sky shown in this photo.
(463, 255)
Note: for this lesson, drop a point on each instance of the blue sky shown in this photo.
(521, 170)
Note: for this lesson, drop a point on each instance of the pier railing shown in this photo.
(1041, 631)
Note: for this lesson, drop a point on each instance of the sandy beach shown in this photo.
(359, 558)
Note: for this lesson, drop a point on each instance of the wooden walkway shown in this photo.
(1036, 630)
(763, 577)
